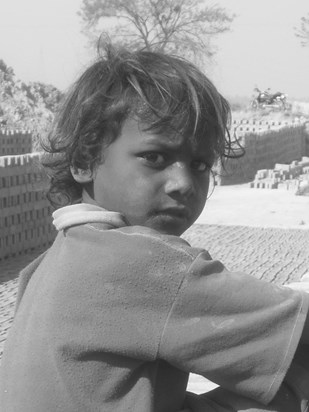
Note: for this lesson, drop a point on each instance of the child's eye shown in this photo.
(200, 166)
(154, 158)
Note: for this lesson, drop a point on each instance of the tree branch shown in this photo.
(159, 24)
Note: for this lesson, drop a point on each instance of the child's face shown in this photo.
(154, 181)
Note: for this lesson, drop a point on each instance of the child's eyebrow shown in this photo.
(164, 142)
(171, 145)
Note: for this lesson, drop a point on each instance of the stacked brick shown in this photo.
(264, 148)
(293, 176)
(25, 222)
(245, 126)
(14, 142)
(25, 214)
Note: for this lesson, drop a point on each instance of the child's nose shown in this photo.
(179, 179)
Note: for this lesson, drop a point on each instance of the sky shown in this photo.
(42, 41)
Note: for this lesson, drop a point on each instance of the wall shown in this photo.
(278, 143)
(15, 142)
(25, 221)
(244, 126)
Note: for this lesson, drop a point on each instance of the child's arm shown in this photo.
(303, 285)
(305, 335)
(236, 330)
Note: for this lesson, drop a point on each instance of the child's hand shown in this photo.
(302, 285)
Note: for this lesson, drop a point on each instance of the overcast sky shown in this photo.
(41, 40)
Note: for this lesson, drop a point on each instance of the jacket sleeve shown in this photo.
(25, 276)
(236, 330)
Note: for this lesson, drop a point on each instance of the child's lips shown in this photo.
(176, 212)
(172, 220)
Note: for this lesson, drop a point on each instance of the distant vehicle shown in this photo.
(265, 99)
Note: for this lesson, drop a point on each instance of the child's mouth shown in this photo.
(181, 213)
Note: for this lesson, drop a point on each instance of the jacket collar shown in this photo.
(83, 213)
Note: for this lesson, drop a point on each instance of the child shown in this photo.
(118, 312)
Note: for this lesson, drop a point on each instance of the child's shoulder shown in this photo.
(140, 245)
(148, 237)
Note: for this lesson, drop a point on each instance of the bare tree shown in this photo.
(184, 27)
(303, 31)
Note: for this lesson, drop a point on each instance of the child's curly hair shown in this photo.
(166, 94)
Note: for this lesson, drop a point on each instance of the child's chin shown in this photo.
(171, 227)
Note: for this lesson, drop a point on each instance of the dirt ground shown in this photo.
(242, 205)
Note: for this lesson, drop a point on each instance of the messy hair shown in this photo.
(164, 93)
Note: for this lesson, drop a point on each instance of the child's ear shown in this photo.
(81, 175)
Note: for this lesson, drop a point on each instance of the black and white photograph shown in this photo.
(154, 206)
